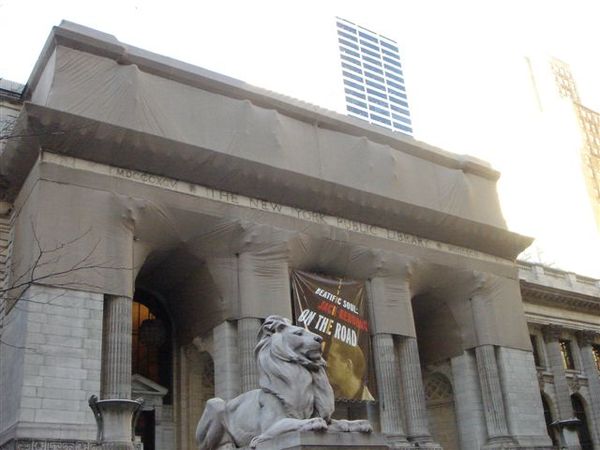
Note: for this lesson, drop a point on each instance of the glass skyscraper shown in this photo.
(373, 78)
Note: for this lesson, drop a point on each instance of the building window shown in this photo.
(346, 27)
(585, 439)
(399, 126)
(151, 342)
(380, 119)
(347, 36)
(402, 119)
(367, 44)
(366, 36)
(372, 61)
(596, 353)
(373, 69)
(348, 44)
(567, 354)
(356, 111)
(536, 353)
(356, 102)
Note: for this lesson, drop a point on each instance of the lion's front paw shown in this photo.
(362, 426)
(256, 440)
(315, 424)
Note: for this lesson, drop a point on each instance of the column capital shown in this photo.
(586, 337)
(552, 332)
(390, 306)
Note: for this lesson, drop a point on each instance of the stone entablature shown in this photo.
(566, 283)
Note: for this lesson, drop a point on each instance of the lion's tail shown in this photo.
(211, 426)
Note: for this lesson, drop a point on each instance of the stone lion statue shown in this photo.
(294, 394)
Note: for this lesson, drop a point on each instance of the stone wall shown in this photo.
(523, 402)
(54, 367)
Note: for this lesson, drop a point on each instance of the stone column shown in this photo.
(226, 360)
(116, 348)
(586, 340)
(263, 290)
(564, 406)
(491, 393)
(115, 413)
(498, 433)
(386, 371)
(415, 410)
(248, 328)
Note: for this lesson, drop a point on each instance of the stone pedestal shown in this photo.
(325, 441)
(116, 420)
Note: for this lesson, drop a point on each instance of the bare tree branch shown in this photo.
(15, 295)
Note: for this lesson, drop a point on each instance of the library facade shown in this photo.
(155, 213)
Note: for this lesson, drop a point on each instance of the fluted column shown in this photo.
(116, 348)
(247, 334)
(386, 370)
(491, 392)
(489, 379)
(586, 340)
(415, 410)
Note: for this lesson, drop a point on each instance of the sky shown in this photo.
(464, 61)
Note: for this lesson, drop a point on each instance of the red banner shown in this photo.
(335, 308)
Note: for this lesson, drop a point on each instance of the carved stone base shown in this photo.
(325, 441)
(54, 444)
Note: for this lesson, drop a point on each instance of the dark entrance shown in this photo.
(145, 429)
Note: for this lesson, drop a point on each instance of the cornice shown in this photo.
(544, 295)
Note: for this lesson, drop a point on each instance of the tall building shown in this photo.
(589, 126)
(373, 78)
(561, 85)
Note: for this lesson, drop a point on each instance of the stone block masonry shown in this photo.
(517, 373)
(58, 337)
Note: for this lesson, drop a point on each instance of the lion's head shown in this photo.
(285, 354)
(290, 343)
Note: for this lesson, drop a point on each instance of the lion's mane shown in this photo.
(300, 383)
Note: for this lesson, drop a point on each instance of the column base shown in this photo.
(501, 443)
(116, 420)
(424, 442)
(397, 441)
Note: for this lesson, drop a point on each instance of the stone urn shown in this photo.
(116, 419)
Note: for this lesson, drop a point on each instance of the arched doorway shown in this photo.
(548, 419)
(439, 398)
(585, 439)
(152, 367)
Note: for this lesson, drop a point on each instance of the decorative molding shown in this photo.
(544, 295)
(54, 444)
(552, 332)
(574, 383)
(230, 198)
